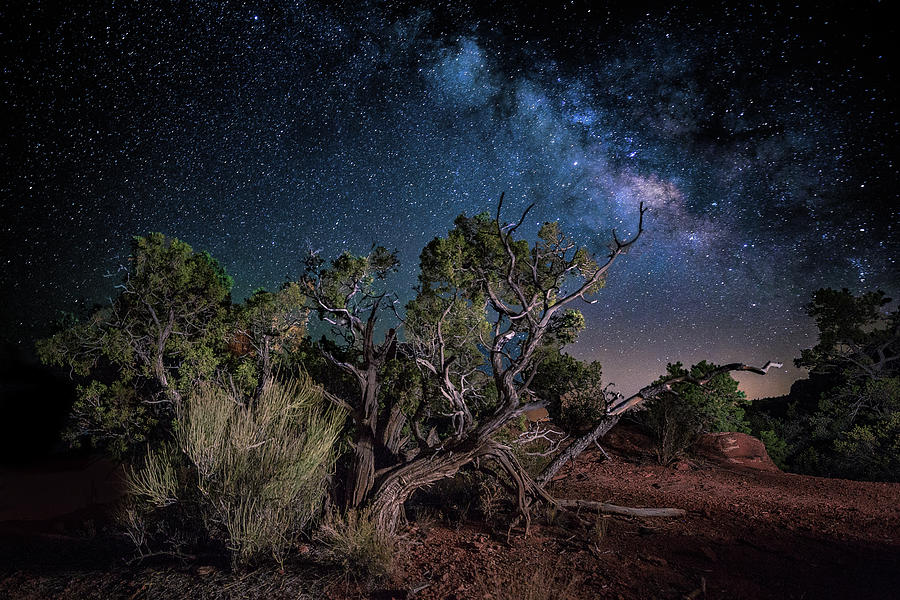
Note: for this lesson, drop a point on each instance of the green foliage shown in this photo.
(252, 476)
(471, 261)
(163, 333)
(268, 332)
(576, 399)
(465, 277)
(677, 419)
(851, 328)
(776, 447)
(843, 421)
(470, 251)
(871, 451)
(349, 279)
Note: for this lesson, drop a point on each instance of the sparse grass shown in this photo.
(357, 546)
(600, 528)
(533, 581)
(156, 483)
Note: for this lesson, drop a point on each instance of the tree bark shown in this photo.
(392, 428)
(397, 486)
(613, 509)
(361, 476)
(574, 449)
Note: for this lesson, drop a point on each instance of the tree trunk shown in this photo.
(574, 449)
(397, 487)
(391, 429)
(362, 469)
(265, 366)
(361, 476)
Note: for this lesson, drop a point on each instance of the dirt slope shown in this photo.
(748, 533)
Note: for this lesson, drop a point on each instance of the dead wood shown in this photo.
(613, 509)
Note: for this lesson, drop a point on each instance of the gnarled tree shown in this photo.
(489, 309)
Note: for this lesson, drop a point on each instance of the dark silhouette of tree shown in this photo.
(163, 333)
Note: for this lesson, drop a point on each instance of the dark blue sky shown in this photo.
(763, 140)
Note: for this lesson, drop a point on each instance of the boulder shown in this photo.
(735, 450)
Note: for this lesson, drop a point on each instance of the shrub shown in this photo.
(354, 542)
(251, 476)
(677, 419)
(871, 452)
(776, 447)
(576, 398)
(156, 483)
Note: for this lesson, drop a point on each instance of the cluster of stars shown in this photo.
(761, 140)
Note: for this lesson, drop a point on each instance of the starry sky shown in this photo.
(762, 137)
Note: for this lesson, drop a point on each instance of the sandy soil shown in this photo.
(748, 533)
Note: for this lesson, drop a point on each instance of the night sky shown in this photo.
(763, 140)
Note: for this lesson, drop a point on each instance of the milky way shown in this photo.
(762, 140)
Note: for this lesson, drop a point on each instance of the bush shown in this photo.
(870, 452)
(354, 542)
(776, 447)
(677, 419)
(576, 398)
(252, 477)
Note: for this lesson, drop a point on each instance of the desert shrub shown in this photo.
(872, 451)
(776, 447)
(576, 398)
(677, 419)
(156, 483)
(355, 544)
(851, 431)
(249, 476)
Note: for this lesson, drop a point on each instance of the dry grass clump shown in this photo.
(354, 542)
(252, 475)
(156, 483)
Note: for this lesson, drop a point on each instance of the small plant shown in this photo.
(250, 476)
(599, 529)
(157, 482)
(531, 581)
(677, 418)
(355, 543)
(491, 497)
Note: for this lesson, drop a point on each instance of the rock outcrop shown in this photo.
(735, 450)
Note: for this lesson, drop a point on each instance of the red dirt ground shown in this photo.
(748, 533)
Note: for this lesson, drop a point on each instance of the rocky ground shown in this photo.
(750, 531)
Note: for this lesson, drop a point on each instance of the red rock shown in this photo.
(735, 449)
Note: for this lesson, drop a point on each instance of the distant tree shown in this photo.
(858, 339)
(163, 333)
(270, 327)
(855, 431)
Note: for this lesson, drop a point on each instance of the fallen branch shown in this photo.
(628, 511)
(617, 409)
